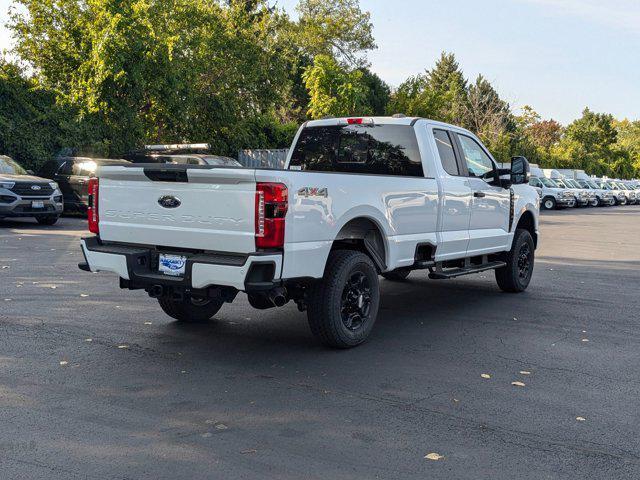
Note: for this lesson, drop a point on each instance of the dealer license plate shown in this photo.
(173, 265)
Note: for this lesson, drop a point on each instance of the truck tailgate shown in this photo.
(178, 206)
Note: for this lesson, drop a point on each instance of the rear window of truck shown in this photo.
(365, 149)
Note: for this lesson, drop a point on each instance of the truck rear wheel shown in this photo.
(516, 275)
(343, 306)
(190, 309)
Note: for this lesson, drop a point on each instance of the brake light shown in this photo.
(355, 121)
(272, 203)
(92, 208)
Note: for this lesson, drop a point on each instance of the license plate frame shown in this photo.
(37, 204)
(172, 265)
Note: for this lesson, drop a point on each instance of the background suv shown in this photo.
(24, 195)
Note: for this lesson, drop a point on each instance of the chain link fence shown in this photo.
(263, 158)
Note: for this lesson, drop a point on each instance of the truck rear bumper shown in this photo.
(139, 266)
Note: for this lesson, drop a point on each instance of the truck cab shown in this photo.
(358, 198)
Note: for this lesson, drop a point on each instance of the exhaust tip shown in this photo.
(278, 297)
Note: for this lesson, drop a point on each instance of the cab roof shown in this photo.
(375, 120)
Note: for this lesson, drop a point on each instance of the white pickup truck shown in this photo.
(357, 198)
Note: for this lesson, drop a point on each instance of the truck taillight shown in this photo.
(92, 207)
(272, 203)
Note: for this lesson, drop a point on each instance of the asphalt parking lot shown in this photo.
(98, 383)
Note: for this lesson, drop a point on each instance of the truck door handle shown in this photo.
(479, 194)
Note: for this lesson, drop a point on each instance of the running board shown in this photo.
(440, 274)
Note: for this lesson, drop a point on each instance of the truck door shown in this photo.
(455, 211)
(62, 177)
(490, 206)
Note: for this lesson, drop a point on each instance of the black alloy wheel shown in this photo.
(356, 301)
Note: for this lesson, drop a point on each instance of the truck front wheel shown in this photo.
(190, 309)
(516, 275)
(549, 203)
(343, 306)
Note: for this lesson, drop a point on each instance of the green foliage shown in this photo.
(163, 70)
(32, 126)
(378, 93)
(334, 90)
(337, 29)
(591, 143)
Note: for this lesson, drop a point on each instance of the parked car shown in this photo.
(604, 197)
(553, 197)
(581, 196)
(587, 196)
(181, 154)
(73, 174)
(629, 192)
(618, 195)
(25, 195)
(358, 197)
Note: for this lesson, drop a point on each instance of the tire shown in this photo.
(398, 275)
(350, 283)
(190, 310)
(516, 275)
(47, 219)
(549, 203)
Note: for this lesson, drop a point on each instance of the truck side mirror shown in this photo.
(520, 170)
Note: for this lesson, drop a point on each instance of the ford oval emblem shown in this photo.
(169, 201)
(36, 187)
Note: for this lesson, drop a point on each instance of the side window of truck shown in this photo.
(478, 162)
(446, 152)
(364, 149)
(66, 167)
(534, 182)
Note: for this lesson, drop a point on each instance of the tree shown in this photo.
(32, 127)
(334, 90)
(545, 134)
(447, 82)
(337, 28)
(629, 140)
(378, 92)
(414, 98)
(162, 70)
(590, 143)
(485, 112)
(439, 94)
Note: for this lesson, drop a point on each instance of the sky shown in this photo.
(559, 56)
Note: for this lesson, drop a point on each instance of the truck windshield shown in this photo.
(548, 182)
(593, 185)
(561, 183)
(9, 166)
(364, 149)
